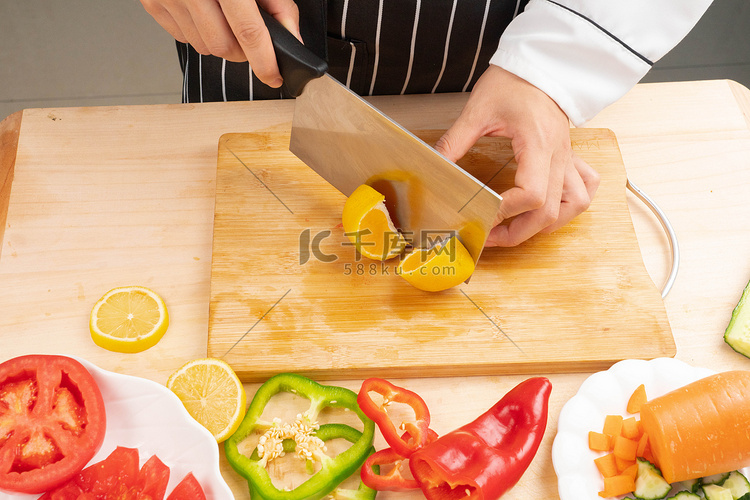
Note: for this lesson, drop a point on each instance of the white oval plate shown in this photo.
(607, 393)
(146, 415)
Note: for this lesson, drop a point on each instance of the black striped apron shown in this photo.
(374, 47)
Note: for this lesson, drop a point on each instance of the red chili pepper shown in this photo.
(416, 432)
(393, 480)
(485, 458)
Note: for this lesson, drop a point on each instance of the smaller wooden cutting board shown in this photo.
(289, 292)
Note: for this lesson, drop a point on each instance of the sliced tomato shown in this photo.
(119, 492)
(117, 478)
(52, 421)
(68, 491)
(152, 479)
(114, 475)
(188, 489)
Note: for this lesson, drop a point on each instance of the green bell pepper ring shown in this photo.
(333, 470)
(326, 433)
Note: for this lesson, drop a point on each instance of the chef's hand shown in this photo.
(232, 29)
(552, 185)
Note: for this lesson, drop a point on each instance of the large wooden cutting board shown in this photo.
(288, 293)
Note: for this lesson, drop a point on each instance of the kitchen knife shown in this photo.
(349, 142)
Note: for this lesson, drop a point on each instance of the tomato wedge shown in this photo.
(116, 478)
(117, 472)
(52, 421)
(188, 489)
(153, 479)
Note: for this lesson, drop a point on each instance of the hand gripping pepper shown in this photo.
(485, 458)
(417, 433)
(332, 471)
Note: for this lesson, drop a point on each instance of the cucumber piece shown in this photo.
(649, 483)
(737, 334)
(737, 484)
(685, 495)
(691, 485)
(715, 479)
(716, 492)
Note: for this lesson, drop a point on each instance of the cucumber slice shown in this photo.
(737, 334)
(649, 483)
(715, 479)
(685, 495)
(716, 492)
(737, 484)
(691, 485)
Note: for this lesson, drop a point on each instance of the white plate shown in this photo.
(146, 415)
(602, 394)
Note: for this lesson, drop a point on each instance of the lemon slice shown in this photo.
(368, 225)
(212, 394)
(128, 319)
(437, 268)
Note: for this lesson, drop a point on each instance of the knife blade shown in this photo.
(349, 142)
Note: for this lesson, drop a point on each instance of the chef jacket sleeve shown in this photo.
(586, 54)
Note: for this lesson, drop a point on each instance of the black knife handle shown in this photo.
(297, 64)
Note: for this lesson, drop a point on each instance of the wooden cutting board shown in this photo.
(288, 292)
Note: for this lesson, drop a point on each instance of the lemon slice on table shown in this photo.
(212, 394)
(128, 319)
(437, 268)
(368, 225)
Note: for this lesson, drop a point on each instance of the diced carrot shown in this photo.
(637, 399)
(622, 465)
(648, 455)
(642, 445)
(617, 485)
(599, 441)
(606, 465)
(644, 449)
(625, 448)
(631, 471)
(631, 429)
(612, 425)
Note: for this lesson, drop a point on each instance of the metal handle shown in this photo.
(671, 236)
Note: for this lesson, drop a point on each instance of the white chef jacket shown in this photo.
(586, 54)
